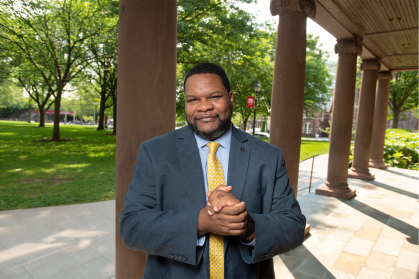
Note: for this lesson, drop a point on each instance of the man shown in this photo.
(178, 209)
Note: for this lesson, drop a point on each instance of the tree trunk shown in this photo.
(396, 115)
(41, 117)
(244, 124)
(114, 116)
(57, 104)
(102, 111)
(29, 114)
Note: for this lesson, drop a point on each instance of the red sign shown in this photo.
(51, 111)
(250, 102)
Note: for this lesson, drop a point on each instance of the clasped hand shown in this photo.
(224, 214)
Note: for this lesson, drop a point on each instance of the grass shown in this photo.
(36, 174)
(309, 148)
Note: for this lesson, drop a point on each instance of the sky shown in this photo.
(262, 13)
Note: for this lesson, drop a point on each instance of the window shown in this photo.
(307, 128)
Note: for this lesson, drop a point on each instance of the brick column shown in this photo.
(380, 121)
(365, 121)
(336, 184)
(146, 98)
(288, 80)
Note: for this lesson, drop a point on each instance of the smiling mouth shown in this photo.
(206, 117)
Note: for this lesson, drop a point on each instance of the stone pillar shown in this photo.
(365, 121)
(336, 184)
(380, 121)
(288, 80)
(146, 98)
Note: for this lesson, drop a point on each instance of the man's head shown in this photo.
(209, 102)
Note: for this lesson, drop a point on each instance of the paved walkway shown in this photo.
(374, 235)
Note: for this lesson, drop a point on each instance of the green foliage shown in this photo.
(53, 36)
(403, 94)
(318, 78)
(36, 174)
(401, 150)
(10, 95)
(6, 111)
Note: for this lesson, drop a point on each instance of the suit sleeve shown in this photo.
(281, 228)
(145, 228)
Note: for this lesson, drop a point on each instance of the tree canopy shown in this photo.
(403, 94)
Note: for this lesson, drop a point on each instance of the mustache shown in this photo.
(205, 115)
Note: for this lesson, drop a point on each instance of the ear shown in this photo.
(231, 97)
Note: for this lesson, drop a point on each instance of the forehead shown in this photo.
(204, 82)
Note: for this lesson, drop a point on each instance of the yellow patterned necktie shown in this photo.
(215, 178)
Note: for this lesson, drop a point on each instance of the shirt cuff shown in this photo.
(201, 240)
(248, 243)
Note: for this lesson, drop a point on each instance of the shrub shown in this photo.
(401, 149)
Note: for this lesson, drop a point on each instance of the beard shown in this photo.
(223, 125)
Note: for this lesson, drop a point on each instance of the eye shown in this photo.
(191, 100)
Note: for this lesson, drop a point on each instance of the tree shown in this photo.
(52, 35)
(318, 78)
(34, 85)
(209, 31)
(105, 69)
(403, 94)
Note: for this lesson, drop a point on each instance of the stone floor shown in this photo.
(374, 235)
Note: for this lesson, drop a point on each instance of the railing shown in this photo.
(311, 174)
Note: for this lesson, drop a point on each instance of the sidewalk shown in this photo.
(373, 235)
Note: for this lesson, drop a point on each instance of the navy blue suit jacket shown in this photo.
(161, 209)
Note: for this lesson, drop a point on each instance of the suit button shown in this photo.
(171, 255)
(184, 258)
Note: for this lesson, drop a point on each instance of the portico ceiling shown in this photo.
(388, 28)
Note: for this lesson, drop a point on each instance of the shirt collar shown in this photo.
(224, 140)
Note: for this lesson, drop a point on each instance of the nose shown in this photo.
(205, 105)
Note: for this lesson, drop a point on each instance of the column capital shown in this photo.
(282, 7)
(349, 46)
(370, 64)
(385, 75)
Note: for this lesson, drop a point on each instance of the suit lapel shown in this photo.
(191, 168)
(238, 163)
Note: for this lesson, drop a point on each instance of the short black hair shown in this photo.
(209, 68)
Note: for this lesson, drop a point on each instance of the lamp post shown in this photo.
(256, 87)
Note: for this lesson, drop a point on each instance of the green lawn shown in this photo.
(310, 148)
(36, 174)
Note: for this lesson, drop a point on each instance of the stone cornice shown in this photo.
(282, 7)
(385, 75)
(349, 46)
(370, 65)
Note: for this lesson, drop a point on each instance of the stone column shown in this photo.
(365, 121)
(380, 121)
(288, 80)
(336, 184)
(146, 98)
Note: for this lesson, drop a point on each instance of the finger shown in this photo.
(216, 195)
(208, 194)
(235, 209)
(228, 200)
(227, 220)
(223, 188)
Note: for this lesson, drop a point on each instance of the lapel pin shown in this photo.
(241, 148)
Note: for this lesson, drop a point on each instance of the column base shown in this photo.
(306, 230)
(342, 192)
(360, 174)
(377, 164)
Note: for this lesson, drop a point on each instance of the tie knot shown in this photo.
(213, 146)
